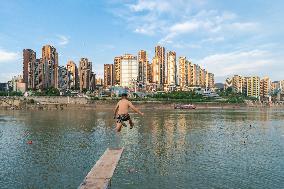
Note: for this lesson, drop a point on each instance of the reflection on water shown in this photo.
(165, 149)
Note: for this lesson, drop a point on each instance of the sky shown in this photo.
(242, 37)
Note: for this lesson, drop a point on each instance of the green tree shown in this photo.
(51, 91)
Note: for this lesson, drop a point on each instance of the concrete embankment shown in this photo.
(62, 103)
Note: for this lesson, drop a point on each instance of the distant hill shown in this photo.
(219, 85)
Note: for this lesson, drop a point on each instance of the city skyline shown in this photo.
(225, 38)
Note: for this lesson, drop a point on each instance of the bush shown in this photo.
(52, 92)
(12, 93)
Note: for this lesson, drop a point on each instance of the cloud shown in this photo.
(238, 62)
(142, 30)
(150, 5)
(173, 19)
(208, 24)
(213, 39)
(63, 40)
(7, 56)
(185, 27)
(245, 26)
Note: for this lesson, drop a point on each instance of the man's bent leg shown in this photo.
(131, 123)
(118, 127)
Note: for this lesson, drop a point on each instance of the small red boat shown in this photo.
(184, 106)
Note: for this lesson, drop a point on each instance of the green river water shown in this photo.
(165, 149)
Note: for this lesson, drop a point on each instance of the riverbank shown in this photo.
(80, 103)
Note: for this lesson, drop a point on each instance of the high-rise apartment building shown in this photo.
(50, 66)
(237, 84)
(73, 77)
(210, 82)
(108, 75)
(37, 70)
(99, 82)
(62, 78)
(202, 78)
(196, 75)
(40, 74)
(282, 85)
(172, 68)
(277, 86)
(265, 87)
(183, 72)
(253, 86)
(129, 70)
(17, 84)
(228, 83)
(142, 66)
(29, 61)
(149, 73)
(156, 76)
(85, 71)
(92, 86)
(160, 54)
(189, 78)
(117, 70)
(245, 85)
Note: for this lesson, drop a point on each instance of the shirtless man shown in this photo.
(121, 112)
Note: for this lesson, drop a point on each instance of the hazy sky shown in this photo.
(226, 37)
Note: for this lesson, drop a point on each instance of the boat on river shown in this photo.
(184, 106)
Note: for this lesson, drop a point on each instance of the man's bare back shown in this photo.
(121, 112)
(123, 106)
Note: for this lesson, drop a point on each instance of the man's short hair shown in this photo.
(124, 95)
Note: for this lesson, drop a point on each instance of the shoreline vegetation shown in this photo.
(94, 103)
(50, 99)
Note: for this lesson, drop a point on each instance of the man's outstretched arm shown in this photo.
(115, 110)
(135, 109)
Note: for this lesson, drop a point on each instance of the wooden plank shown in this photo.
(100, 175)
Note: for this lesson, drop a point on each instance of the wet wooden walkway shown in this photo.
(100, 175)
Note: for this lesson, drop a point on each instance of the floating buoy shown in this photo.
(30, 142)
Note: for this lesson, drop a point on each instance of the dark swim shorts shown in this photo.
(122, 117)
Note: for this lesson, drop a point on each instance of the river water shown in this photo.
(166, 148)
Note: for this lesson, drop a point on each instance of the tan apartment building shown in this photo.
(99, 82)
(149, 73)
(265, 87)
(210, 82)
(195, 75)
(108, 75)
(73, 77)
(117, 70)
(85, 71)
(50, 67)
(202, 78)
(171, 68)
(92, 82)
(183, 72)
(245, 85)
(189, 73)
(29, 61)
(253, 86)
(156, 76)
(142, 66)
(237, 84)
(160, 55)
